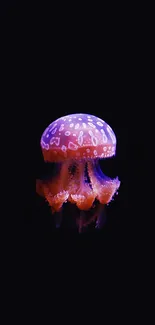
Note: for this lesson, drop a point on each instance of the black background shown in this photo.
(74, 60)
(61, 64)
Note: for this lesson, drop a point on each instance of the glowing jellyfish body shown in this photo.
(76, 142)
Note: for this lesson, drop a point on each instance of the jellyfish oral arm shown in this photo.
(71, 184)
(54, 189)
(103, 186)
(83, 196)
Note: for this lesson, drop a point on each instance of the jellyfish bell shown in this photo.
(76, 143)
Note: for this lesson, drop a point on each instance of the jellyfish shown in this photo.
(76, 143)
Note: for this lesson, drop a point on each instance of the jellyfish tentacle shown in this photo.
(54, 190)
(98, 215)
(101, 216)
(81, 221)
(58, 218)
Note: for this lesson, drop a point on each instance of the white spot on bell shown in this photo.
(91, 133)
(99, 123)
(51, 127)
(67, 133)
(42, 143)
(94, 141)
(92, 125)
(93, 138)
(47, 146)
(71, 125)
(95, 152)
(77, 126)
(104, 136)
(63, 148)
(80, 138)
(55, 140)
(54, 131)
(72, 146)
(61, 127)
(111, 133)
